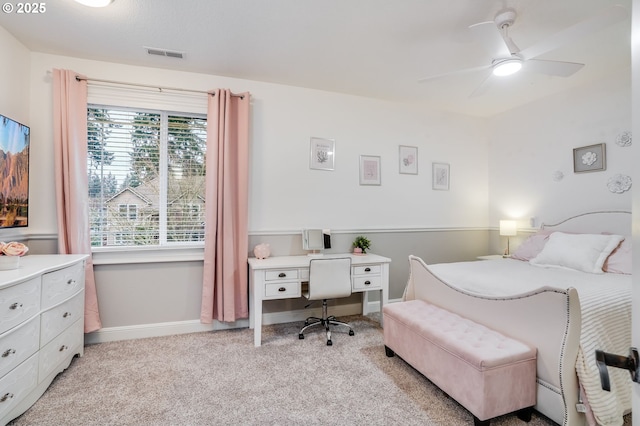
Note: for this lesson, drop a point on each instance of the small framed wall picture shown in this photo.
(408, 160)
(440, 176)
(322, 154)
(370, 170)
(591, 158)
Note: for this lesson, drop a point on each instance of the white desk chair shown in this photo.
(328, 279)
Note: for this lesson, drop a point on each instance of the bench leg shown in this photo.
(388, 351)
(525, 414)
(478, 422)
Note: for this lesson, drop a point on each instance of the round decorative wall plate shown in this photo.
(619, 183)
(624, 139)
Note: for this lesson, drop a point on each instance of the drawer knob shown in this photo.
(66, 315)
(367, 269)
(281, 289)
(63, 348)
(70, 281)
(282, 275)
(367, 282)
(8, 352)
(15, 306)
(6, 396)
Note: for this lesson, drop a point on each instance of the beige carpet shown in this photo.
(219, 378)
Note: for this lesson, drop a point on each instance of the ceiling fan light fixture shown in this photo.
(507, 67)
(95, 3)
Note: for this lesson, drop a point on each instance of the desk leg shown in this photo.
(365, 303)
(384, 291)
(383, 295)
(255, 306)
(257, 330)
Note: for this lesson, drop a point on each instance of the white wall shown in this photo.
(14, 100)
(514, 154)
(528, 144)
(285, 193)
(14, 78)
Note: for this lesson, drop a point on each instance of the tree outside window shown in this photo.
(146, 176)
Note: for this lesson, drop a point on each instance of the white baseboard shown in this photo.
(141, 331)
(112, 334)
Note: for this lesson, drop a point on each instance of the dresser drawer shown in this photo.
(61, 348)
(17, 384)
(367, 283)
(282, 290)
(18, 303)
(62, 284)
(19, 344)
(281, 275)
(366, 270)
(60, 317)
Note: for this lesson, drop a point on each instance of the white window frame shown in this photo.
(163, 246)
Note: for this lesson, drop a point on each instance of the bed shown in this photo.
(566, 310)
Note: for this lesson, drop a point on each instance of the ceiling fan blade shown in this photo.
(489, 35)
(576, 32)
(457, 72)
(483, 87)
(555, 68)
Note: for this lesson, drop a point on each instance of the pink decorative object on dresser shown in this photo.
(262, 251)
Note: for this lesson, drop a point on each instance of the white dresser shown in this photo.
(41, 327)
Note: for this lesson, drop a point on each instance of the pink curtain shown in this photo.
(72, 193)
(224, 287)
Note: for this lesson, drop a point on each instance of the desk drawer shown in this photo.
(282, 290)
(367, 283)
(281, 275)
(366, 270)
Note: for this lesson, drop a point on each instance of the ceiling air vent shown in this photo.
(164, 52)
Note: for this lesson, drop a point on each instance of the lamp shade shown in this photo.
(508, 228)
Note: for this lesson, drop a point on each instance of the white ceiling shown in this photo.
(373, 48)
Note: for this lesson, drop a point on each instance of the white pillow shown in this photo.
(582, 252)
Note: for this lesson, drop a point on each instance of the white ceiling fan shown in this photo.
(507, 58)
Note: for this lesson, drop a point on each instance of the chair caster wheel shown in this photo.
(329, 343)
(351, 333)
(300, 336)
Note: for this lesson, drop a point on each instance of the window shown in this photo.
(146, 176)
(128, 211)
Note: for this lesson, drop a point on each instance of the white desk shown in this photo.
(281, 277)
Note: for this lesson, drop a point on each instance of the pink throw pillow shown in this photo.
(619, 262)
(532, 246)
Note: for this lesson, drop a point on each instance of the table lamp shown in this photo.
(508, 229)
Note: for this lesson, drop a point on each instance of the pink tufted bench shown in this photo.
(487, 373)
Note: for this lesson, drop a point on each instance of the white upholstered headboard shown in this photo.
(611, 221)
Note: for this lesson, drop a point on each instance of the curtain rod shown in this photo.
(80, 78)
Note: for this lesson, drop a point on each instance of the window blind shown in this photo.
(146, 171)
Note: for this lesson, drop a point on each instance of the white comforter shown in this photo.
(605, 300)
